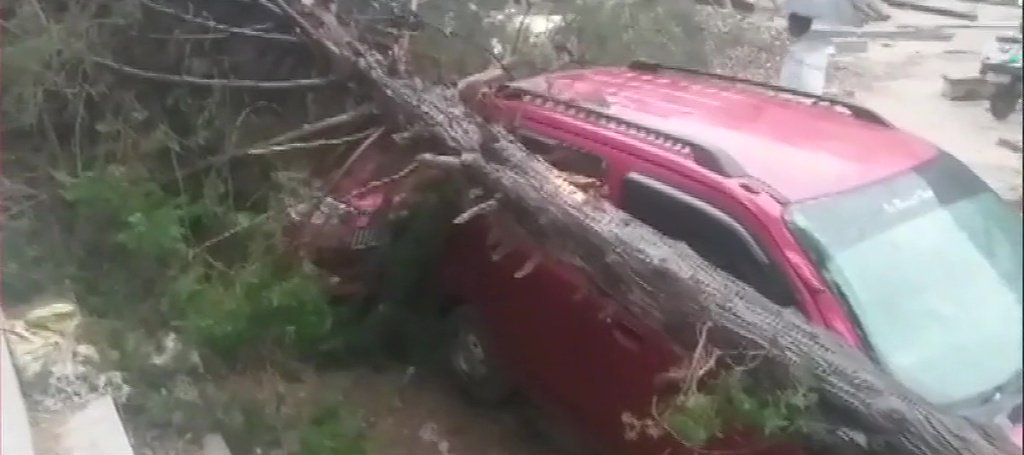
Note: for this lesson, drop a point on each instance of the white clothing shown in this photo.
(805, 66)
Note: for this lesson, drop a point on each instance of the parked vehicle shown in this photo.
(1001, 68)
(821, 205)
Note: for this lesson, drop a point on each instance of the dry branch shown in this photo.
(272, 149)
(356, 115)
(294, 84)
(662, 281)
(252, 31)
(347, 120)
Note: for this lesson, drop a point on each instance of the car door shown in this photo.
(546, 332)
(635, 364)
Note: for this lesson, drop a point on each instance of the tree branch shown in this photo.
(216, 25)
(305, 145)
(357, 115)
(294, 84)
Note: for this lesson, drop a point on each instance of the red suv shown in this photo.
(821, 205)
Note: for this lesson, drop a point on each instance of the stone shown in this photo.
(1013, 145)
(965, 88)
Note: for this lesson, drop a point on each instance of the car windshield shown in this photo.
(930, 264)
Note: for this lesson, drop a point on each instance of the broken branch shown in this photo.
(233, 83)
(305, 145)
(216, 25)
(480, 209)
(357, 115)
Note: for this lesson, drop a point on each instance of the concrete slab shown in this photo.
(15, 430)
(96, 429)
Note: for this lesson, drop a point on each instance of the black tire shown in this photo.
(469, 363)
(550, 432)
(1004, 100)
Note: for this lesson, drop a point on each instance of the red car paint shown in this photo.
(585, 358)
(356, 204)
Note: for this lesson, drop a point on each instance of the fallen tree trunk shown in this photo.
(662, 281)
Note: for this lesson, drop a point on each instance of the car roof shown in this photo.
(799, 145)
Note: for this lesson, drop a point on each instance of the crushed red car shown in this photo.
(820, 205)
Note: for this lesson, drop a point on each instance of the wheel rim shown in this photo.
(469, 357)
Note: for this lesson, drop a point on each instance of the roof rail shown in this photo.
(710, 158)
(859, 112)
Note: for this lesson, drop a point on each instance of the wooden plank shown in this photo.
(994, 2)
(940, 9)
(987, 25)
(901, 33)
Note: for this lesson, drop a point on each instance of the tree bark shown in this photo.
(662, 281)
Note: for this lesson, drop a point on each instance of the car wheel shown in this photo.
(1004, 99)
(471, 366)
(554, 433)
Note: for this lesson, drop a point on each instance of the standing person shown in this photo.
(806, 64)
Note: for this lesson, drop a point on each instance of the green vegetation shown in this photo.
(115, 194)
(731, 402)
(101, 205)
(332, 432)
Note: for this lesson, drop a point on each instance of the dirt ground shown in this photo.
(409, 413)
(414, 414)
(903, 82)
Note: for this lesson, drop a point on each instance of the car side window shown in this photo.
(582, 169)
(710, 233)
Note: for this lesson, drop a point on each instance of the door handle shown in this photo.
(625, 334)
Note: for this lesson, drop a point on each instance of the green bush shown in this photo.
(135, 256)
(332, 432)
(104, 209)
(252, 307)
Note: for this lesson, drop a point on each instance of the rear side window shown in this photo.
(709, 232)
(581, 168)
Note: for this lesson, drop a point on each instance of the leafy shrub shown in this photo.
(256, 306)
(140, 256)
(731, 402)
(332, 432)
